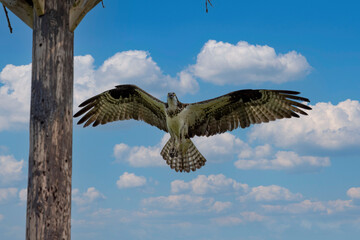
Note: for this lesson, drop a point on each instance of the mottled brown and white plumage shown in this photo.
(184, 121)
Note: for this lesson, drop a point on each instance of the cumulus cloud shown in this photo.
(186, 203)
(216, 148)
(284, 160)
(14, 96)
(224, 63)
(354, 192)
(218, 62)
(10, 169)
(87, 197)
(270, 193)
(220, 147)
(328, 126)
(141, 156)
(7, 193)
(130, 180)
(128, 67)
(224, 147)
(208, 184)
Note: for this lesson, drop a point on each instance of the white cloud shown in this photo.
(236, 220)
(14, 96)
(285, 160)
(86, 197)
(354, 192)
(208, 184)
(10, 169)
(328, 126)
(308, 206)
(224, 63)
(23, 195)
(182, 201)
(129, 180)
(128, 67)
(296, 208)
(257, 152)
(217, 62)
(339, 205)
(140, 156)
(215, 148)
(220, 147)
(85, 83)
(224, 146)
(7, 193)
(220, 206)
(252, 217)
(270, 193)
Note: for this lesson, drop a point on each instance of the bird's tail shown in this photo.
(186, 159)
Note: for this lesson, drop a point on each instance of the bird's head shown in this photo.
(172, 99)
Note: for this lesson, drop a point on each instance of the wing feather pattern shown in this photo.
(241, 109)
(122, 103)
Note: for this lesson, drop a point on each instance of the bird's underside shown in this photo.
(184, 121)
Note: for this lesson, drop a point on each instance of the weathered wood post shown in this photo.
(50, 155)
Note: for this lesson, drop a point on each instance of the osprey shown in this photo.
(184, 121)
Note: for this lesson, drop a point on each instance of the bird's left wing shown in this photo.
(240, 109)
(122, 103)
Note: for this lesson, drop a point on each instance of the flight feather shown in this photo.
(122, 103)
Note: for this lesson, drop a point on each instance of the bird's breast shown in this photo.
(176, 123)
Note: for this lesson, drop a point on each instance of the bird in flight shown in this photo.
(184, 121)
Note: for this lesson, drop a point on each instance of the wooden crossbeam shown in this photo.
(23, 9)
(39, 6)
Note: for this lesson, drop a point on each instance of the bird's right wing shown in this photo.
(122, 103)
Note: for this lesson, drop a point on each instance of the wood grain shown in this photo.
(50, 157)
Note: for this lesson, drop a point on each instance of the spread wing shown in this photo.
(242, 108)
(122, 103)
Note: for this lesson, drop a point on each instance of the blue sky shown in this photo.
(290, 179)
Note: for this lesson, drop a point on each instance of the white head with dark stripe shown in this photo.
(172, 100)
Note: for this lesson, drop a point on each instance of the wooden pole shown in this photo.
(50, 155)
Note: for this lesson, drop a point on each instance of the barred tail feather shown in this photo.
(192, 159)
